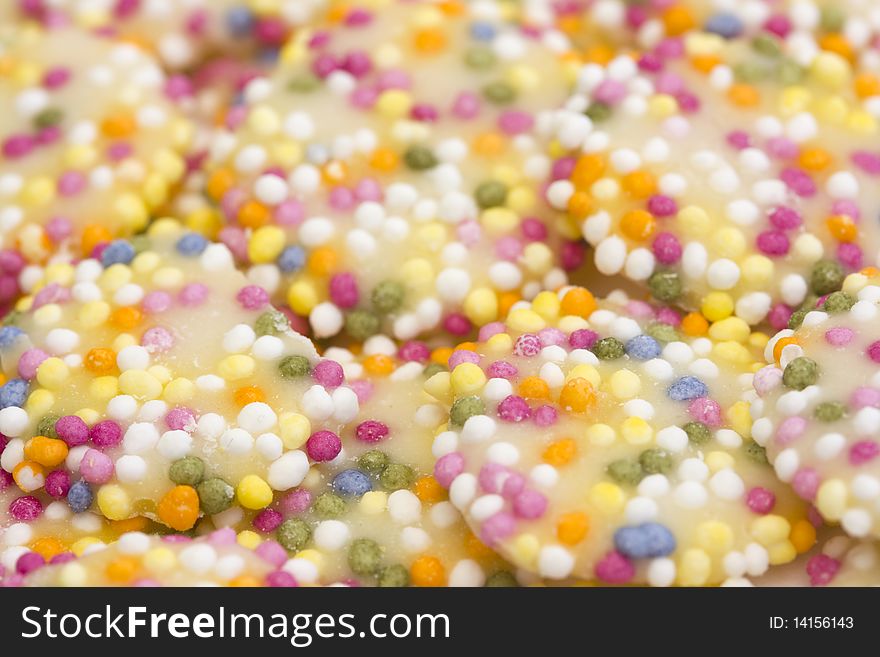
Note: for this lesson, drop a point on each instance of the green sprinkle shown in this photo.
(766, 45)
(293, 534)
(395, 576)
(373, 461)
(271, 322)
(387, 296)
(293, 367)
(303, 84)
(662, 332)
(397, 476)
(491, 194)
(215, 495)
(838, 302)
(499, 93)
(665, 286)
(832, 18)
(361, 324)
(827, 277)
(698, 433)
(750, 72)
(419, 158)
(502, 579)
(189, 470)
(800, 373)
(598, 112)
(757, 453)
(329, 505)
(796, 319)
(364, 556)
(830, 411)
(464, 408)
(48, 117)
(46, 426)
(655, 461)
(479, 58)
(789, 72)
(624, 471)
(432, 369)
(609, 349)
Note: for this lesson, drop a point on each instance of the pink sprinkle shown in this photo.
(469, 232)
(508, 248)
(527, 345)
(363, 389)
(492, 477)
(669, 316)
(267, 520)
(156, 302)
(466, 105)
(864, 396)
(529, 504)
(661, 205)
(533, 229)
(614, 568)
(490, 329)
(371, 431)
(344, 290)
(180, 418)
(705, 410)
(497, 528)
(157, 339)
(782, 148)
(323, 446)
(867, 162)
(583, 339)
(72, 430)
(773, 243)
(56, 77)
(798, 181)
(839, 336)
(513, 409)
(296, 502)
(106, 433)
(778, 24)
(281, 579)
(57, 484)
(874, 351)
(611, 92)
(790, 429)
(289, 213)
(514, 483)
(850, 255)
(785, 218)
(501, 369)
(18, 146)
(806, 483)
(414, 351)
(30, 361)
(562, 168)
(760, 500)
(457, 324)
(71, 183)
(551, 336)
(193, 294)
(252, 297)
(96, 468)
(514, 122)
(329, 373)
(26, 508)
(460, 356)
(847, 207)
(29, 562)
(271, 551)
(545, 416)
(822, 569)
(448, 467)
(573, 255)
(863, 451)
(767, 379)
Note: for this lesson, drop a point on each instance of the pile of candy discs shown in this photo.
(324, 293)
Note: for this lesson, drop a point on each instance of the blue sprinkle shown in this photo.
(291, 259)
(191, 244)
(687, 388)
(79, 497)
(117, 252)
(8, 336)
(643, 347)
(13, 393)
(239, 21)
(483, 31)
(724, 25)
(644, 541)
(352, 483)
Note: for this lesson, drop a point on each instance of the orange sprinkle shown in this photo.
(560, 452)
(867, 85)
(466, 346)
(334, 172)
(25, 471)
(133, 524)
(46, 451)
(118, 126)
(384, 159)
(248, 395)
(599, 54)
(379, 364)
(122, 570)
(743, 95)
(694, 324)
(870, 272)
(427, 571)
(253, 214)
(429, 41)
(488, 144)
(322, 261)
(506, 301)
(451, 7)
(219, 183)
(100, 361)
(705, 63)
(93, 235)
(842, 228)
(580, 205)
(476, 549)
(126, 318)
(814, 159)
(781, 344)
(639, 184)
(578, 301)
(588, 169)
(441, 355)
(803, 536)
(428, 490)
(244, 582)
(47, 547)
(577, 395)
(838, 44)
(572, 527)
(638, 225)
(179, 508)
(533, 387)
(678, 19)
